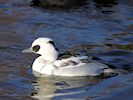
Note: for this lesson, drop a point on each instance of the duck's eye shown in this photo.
(36, 48)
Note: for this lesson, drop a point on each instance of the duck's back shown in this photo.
(81, 69)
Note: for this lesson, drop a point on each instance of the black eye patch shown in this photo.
(36, 48)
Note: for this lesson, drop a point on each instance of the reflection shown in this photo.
(128, 47)
(105, 3)
(58, 3)
(106, 6)
(49, 87)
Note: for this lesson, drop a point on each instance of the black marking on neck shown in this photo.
(51, 42)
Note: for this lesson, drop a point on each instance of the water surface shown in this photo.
(101, 29)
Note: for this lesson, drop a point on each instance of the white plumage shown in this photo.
(49, 64)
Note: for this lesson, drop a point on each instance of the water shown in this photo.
(104, 30)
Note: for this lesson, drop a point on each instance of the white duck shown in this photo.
(49, 61)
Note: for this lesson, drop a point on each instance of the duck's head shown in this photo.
(44, 47)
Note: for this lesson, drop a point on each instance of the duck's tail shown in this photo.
(115, 71)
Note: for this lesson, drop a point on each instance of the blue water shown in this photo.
(104, 30)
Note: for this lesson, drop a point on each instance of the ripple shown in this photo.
(99, 28)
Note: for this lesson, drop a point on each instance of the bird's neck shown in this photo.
(50, 57)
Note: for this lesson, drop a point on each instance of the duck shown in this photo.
(53, 62)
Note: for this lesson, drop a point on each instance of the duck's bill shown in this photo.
(28, 50)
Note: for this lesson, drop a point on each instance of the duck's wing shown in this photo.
(81, 66)
(67, 54)
(64, 59)
(96, 59)
(65, 63)
(64, 55)
(70, 61)
(68, 58)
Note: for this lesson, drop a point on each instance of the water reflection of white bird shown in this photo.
(52, 62)
(49, 87)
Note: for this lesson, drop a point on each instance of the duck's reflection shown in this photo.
(49, 87)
